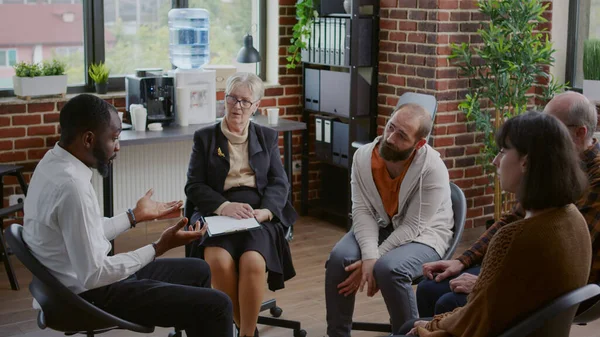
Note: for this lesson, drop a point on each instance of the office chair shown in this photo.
(15, 171)
(271, 305)
(459, 207)
(590, 314)
(555, 318)
(428, 102)
(62, 309)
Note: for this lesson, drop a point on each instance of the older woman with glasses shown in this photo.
(235, 170)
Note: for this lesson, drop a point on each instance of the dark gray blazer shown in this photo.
(208, 169)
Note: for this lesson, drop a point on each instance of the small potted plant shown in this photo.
(99, 73)
(591, 69)
(33, 79)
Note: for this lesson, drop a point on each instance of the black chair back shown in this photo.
(555, 318)
(62, 309)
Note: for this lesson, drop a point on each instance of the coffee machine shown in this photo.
(155, 91)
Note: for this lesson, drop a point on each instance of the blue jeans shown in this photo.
(435, 298)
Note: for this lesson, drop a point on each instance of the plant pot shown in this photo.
(591, 90)
(40, 86)
(101, 88)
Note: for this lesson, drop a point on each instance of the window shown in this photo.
(136, 32)
(33, 32)
(125, 34)
(230, 21)
(8, 57)
(584, 23)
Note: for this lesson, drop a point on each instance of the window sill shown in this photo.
(14, 100)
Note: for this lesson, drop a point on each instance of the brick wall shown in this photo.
(414, 47)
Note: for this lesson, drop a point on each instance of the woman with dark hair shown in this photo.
(538, 162)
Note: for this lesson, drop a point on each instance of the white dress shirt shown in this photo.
(65, 231)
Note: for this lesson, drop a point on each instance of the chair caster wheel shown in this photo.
(300, 333)
(276, 311)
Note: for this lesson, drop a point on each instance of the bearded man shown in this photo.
(401, 218)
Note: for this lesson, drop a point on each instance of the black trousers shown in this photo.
(169, 293)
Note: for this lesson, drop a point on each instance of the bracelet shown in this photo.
(133, 222)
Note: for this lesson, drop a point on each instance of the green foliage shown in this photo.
(513, 57)
(99, 72)
(24, 69)
(591, 60)
(306, 14)
(52, 68)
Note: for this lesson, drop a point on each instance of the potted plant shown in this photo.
(513, 57)
(305, 14)
(33, 79)
(99, 73)
(591, 69)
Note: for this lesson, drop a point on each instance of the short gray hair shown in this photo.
(253, 82)
(583, 113)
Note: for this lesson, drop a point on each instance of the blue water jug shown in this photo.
(188, 37)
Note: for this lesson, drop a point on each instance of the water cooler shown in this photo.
(195, 88)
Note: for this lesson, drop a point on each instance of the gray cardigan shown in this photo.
(424, 205)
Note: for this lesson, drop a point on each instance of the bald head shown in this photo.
(574, 109)
(419, 114)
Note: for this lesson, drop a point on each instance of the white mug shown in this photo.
(273, 115)
(140, 118)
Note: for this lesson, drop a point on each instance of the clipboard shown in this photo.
(223, 225)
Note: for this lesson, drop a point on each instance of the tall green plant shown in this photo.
(514, 56)
(306, 14)
(591, 60)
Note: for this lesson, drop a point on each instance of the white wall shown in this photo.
(560, 19)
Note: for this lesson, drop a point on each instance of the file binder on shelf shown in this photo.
(324, 137)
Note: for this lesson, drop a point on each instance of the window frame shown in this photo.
(572, 39)
(6, 63)
(94, 44)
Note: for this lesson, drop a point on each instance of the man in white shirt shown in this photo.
(64, 229)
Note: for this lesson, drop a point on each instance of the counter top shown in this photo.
(178, 133)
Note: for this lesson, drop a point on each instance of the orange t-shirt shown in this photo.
(388, 188)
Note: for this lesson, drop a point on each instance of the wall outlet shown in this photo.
(296, 166)
(16, 199)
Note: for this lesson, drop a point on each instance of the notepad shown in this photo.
(222, 225)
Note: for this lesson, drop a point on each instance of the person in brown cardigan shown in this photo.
(538, 162)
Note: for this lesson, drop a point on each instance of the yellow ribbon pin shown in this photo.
(220, 153)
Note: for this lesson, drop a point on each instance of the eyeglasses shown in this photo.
(243, 103)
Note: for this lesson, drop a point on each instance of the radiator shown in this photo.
(137, 168)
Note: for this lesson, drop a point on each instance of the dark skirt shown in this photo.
(269, 241)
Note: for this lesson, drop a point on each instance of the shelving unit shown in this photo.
(340, 68)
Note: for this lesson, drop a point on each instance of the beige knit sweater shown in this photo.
(528, 263)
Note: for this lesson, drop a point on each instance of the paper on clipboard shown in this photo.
(221, 225)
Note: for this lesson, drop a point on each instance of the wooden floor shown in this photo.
(303, 298)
